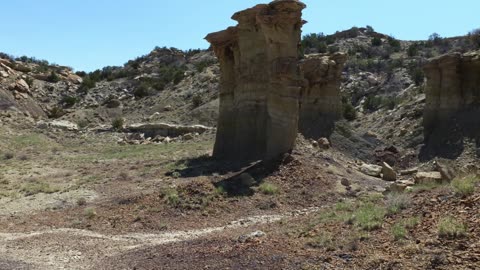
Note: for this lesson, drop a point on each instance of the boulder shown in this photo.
(371, 169)
(448, 174)
(388, 174)
(58, 124)
(3, 74)
(423, 178)
(22, 86)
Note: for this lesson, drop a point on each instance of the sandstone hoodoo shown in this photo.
(320, 102)
(260, 81)
(267, 94)
(453, 102)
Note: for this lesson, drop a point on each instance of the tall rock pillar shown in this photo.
(261, 83)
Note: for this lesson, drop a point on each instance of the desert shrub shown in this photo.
(372, 103)
(394, 43)
(333, 49)
(90, 212)
(465, 186)
(449, 227)
(35, 187)
(87, 84)
(376, 41)
(369, 216)
(202, 65)
(142, 90)
(118, 123)
(171, 196)
(68, 101)
(268, 189)
(399, 231)
(53, 77)
(389, 102)
(197, 100)
(29, 81)
(81, 201)
(474, 37)
(8, 155)
(323, 240)
(349, 112)
(417, 75)
(396, 202)
(56, 112)
(412, 50)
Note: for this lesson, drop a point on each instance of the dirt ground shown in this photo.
(83, 201)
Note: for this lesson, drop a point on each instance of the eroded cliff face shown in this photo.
(320, 102)
(260, 82)
(452, 109)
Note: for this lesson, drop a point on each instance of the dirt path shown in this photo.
(80, 249)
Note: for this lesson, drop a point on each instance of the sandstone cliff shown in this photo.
(452, 109)
(260, 82)
(320, 103)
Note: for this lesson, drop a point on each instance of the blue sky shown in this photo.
(90, 34)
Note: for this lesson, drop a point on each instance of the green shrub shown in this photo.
(90, 212)
(395, 44)
(412, 50)
(372, 103)
(143, 90)
(56, 112)
(418, 76)
(8, 155)
(369, 216)
(396, 202)
(376, 41)
(35, 187)
(87, 84)
(53, 77)
(399, 232)
(349, 112)
(68, 101)
(197, 100)
(29, 81)
(449, 227)
(171, 196)
(202, 65)
(465, 186)
(117, 123)
(268, 189)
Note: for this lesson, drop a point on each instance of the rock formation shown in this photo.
(452, 109)
(320, 103)
(267, 94)
(260, 82)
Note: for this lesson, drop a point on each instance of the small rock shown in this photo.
(409, 171)
(388, 174)
(370, 169)
(428, 177)
(345, 182)
(397, 187)
(323, 143)
(188, 137)
(251, 236)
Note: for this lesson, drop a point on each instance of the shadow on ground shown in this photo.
(236, 179)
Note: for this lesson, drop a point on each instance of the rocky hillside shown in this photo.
(382, 87)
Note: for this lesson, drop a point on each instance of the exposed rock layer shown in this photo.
(261, 81)
(320, 103)
(266, 94)
(452, 110)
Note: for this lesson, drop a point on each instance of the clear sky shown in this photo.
(91, 34)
